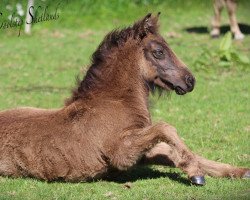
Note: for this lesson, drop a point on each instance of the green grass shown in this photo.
(213, 120)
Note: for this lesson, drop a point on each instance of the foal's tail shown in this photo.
(217, 169)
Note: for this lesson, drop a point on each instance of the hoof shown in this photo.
(215, 36)
(198, 180)
(215, 33)
(239, 36)
(247, 174)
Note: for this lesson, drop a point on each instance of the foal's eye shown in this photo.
(158, 54)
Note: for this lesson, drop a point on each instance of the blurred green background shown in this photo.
(40, 69)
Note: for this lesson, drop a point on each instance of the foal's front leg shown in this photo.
(131, 145)
(163, 154)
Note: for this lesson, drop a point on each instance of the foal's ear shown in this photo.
(149, 24)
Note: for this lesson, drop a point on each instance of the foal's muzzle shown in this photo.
(190, 81)
(189, 85)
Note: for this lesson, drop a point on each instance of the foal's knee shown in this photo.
(166, 128)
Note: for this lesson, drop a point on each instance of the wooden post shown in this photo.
(27, 28)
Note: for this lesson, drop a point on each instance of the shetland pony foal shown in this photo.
(106, 123)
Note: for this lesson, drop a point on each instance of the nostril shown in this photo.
(190, 81)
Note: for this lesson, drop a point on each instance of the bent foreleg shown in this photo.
(133, 144)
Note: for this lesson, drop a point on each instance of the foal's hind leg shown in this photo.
(163, 154)
(133, 144)
(217, 169)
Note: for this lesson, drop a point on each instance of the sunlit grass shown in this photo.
(40, 70)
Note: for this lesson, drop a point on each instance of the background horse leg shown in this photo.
(132, 145)
(231, 8)
(163, 154)
(218, 6)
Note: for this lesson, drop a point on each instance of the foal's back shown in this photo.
(20, 121)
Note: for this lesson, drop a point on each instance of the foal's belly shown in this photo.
(50, 163)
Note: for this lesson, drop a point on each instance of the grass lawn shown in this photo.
(214, 120)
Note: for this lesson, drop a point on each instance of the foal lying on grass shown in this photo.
(106, 123)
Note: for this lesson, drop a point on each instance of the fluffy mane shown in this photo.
(114, 39)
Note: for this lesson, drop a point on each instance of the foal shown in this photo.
(106, 123)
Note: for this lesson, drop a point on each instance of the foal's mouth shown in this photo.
(167, 85)
(179, 90)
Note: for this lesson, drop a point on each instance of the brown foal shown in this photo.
(106, 123)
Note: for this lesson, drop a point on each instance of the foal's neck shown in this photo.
(118, 77)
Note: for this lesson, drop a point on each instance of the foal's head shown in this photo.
(154, 60)
(159, 64)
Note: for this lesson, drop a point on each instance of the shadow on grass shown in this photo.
(143, 173)
(38, 88)
(245, 29)
(122, 177)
